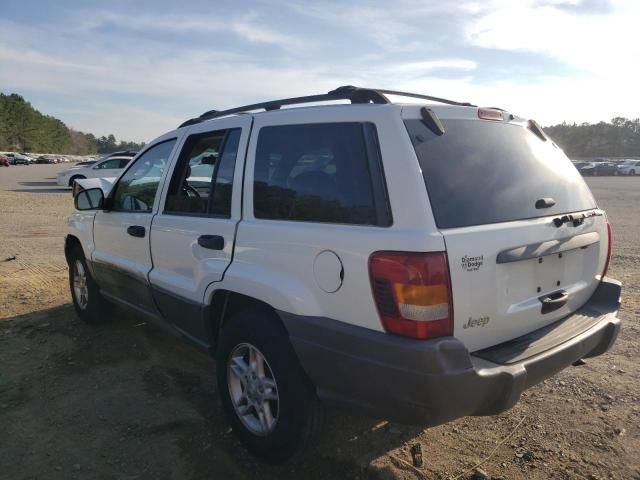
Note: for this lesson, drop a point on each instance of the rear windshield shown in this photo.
(482, 172)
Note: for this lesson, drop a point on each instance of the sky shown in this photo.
(139, 68)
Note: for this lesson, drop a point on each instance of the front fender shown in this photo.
(80, 226)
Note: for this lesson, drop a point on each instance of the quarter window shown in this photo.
(203, 178)
(326, 173)
(137, 188)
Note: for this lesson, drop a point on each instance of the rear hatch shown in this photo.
(501, 193)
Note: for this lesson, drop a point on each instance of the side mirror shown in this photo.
(91, 199)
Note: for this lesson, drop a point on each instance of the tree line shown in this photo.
(618, 138)
(24, 129)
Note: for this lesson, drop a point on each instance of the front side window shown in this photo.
(203, 178)
(316, 173)
(137, 188)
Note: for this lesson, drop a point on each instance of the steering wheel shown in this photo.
(189, 191)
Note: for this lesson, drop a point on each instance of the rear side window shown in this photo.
(325, 172)
(115, 163)
(482, 172)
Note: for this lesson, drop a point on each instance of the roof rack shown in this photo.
(425, 97)
(347, 92)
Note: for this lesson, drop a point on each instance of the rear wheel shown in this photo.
(266, 395)
(632, 172)
(89, 304)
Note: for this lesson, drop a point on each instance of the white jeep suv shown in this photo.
(417, 262)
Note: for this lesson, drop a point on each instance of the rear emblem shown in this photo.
(476, 322)
(471, 264)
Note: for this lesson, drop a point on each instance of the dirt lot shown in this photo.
(125, 401)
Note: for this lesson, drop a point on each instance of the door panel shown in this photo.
(122, 258)
(106, 172)
(199, 202)
(122, 261)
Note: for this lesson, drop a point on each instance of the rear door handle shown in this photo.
(212, 242)
(136, 231)
(553, 301)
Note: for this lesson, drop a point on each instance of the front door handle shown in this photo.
(553, 301)
(136, 231)
(212, 242)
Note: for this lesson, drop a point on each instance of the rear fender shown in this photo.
(276, 289)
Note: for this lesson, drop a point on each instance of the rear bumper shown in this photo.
(435, 381)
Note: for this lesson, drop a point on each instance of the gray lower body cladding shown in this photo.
(435, 381)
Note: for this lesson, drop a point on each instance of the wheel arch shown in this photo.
(73, 178)
(71, 242)
(226, 303)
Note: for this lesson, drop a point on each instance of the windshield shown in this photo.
(482, 172)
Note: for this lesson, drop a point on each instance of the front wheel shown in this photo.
(87, 300)
(632, 172)
(266, 395)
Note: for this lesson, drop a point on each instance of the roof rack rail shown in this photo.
(347, 92)
(423, 97)
(356, 95)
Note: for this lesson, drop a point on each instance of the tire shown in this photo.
(73, 179)
(89, 304)
(291, 414)
(632, 173)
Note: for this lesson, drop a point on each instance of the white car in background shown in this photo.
(108, 168)
(629, 167)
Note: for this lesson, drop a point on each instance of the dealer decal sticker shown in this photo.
(471, 264)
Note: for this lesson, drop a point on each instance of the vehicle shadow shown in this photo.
(38, 184)
(149, 401)
(41, 190)
(44, 187)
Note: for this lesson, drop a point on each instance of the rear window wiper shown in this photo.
(576, 220)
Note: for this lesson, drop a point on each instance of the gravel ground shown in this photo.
(126, 401)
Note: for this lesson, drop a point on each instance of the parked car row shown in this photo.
(600, 169)
(28, 159)
(15, 158)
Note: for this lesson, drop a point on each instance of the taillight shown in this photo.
(609, 244)
(413, 293)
